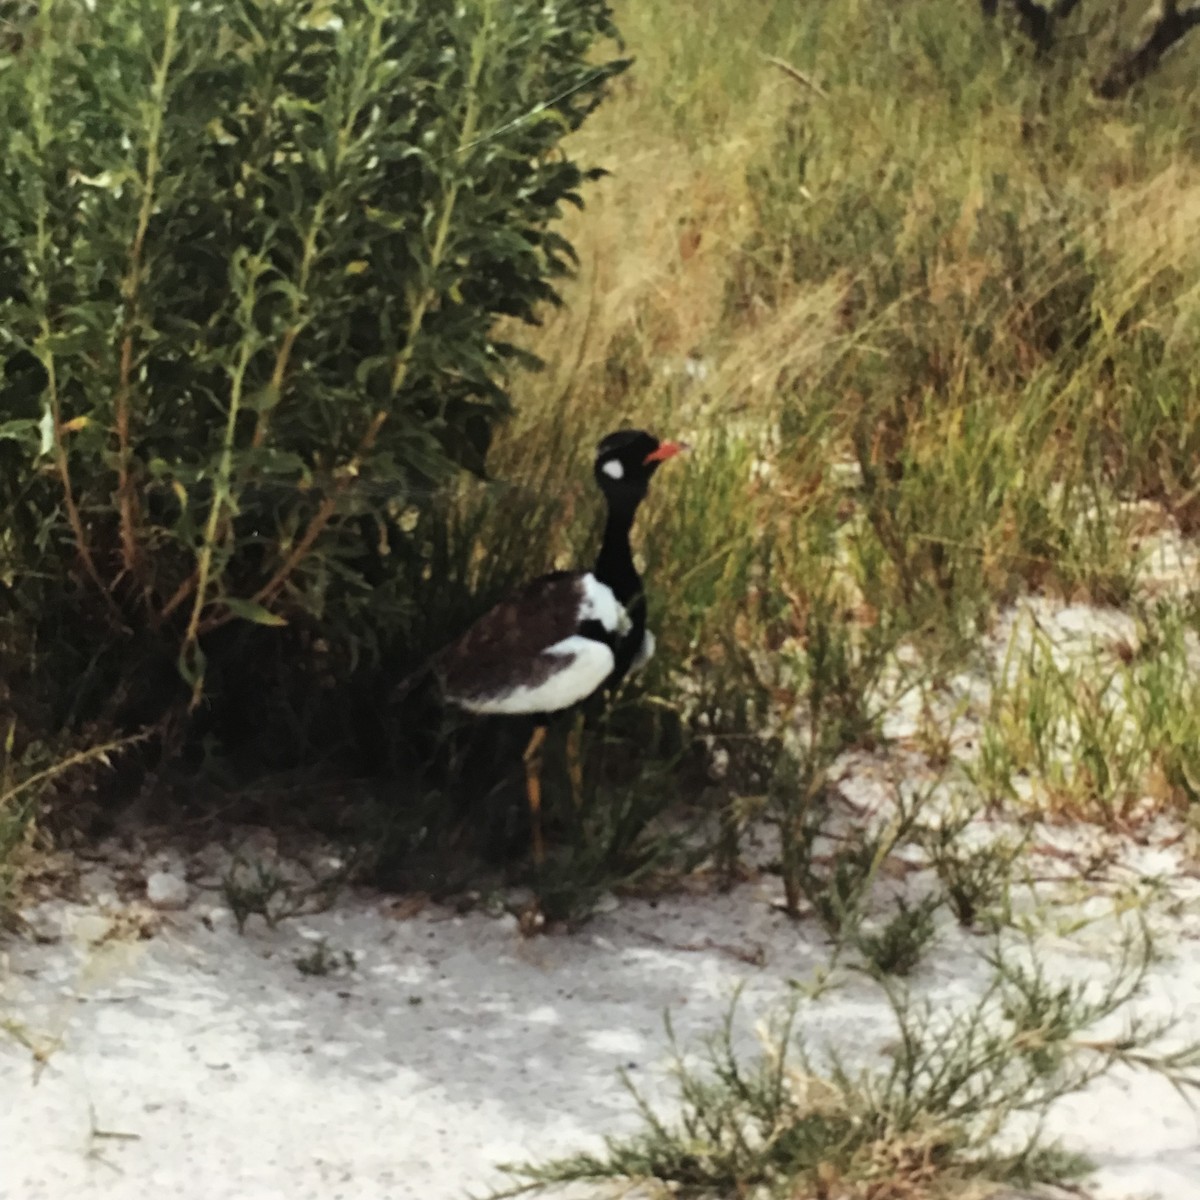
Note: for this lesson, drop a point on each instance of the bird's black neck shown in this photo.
(614, 564)
(614, 567)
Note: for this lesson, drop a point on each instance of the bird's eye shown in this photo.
(613, 469)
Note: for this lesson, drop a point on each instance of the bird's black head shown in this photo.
(626, 461)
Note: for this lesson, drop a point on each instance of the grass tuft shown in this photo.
(955, 1097)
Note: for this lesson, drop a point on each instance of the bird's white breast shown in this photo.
(578, 666)
(600, 604)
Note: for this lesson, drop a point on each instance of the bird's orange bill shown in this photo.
(666, 450)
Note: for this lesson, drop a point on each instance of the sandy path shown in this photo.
(452, 1044)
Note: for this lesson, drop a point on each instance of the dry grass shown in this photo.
(936, 352)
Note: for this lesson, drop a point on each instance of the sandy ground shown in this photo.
(197, 1063)
(203, 1064)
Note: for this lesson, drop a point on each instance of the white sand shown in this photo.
(203, 1065)
(452, 1045)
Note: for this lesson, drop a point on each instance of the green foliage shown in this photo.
(899, 944)
(260, 888)
(791, 1121)
(995, 345)
(1096, 735)
(975, 881)
(253, 260)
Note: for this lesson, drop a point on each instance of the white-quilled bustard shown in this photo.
(567, 635)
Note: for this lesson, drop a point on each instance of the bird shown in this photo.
(566, 636)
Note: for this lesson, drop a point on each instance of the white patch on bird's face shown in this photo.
(578, 666)
(613, 469)
(599, 604)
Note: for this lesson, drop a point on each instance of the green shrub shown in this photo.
(252, 258)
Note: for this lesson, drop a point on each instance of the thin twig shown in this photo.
(315, 528)
(62, 463)
(798, 76)
(220, 498)
(126, 497)
(77, 759)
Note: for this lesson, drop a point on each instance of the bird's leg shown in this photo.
(533, 789)
(575, 760)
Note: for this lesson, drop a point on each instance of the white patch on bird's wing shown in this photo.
(580, 665)
(645, 652)
(613, 469)
(599, 604)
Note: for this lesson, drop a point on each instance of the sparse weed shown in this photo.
(261, 888)
(939, 1103)
(1101, 734)
(614, 842)
(839, 885)
(25, 778)
(1165, 703)
(321, 960)
(258, 889)
(975, 881)
(898, 945)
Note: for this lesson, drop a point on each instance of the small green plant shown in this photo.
(840, 885)
(322, 961)
(615, 844)
(898, 946)
(1064, 724)
(262, 887)
(1102, 734)
(839, 888)
(974, 880)
(936, 1109)
(1164, 702)
(259, 889)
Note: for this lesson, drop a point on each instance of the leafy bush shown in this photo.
(252, 257)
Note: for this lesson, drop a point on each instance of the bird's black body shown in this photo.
(567, 636)
(508, 654)
(511, 648)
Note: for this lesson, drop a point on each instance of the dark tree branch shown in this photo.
(1171, 26)
(1039, 21)
(1035, 20)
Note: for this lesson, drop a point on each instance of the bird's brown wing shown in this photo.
(503, 650)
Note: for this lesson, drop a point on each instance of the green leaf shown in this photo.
(19, 430)
(249, 611)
